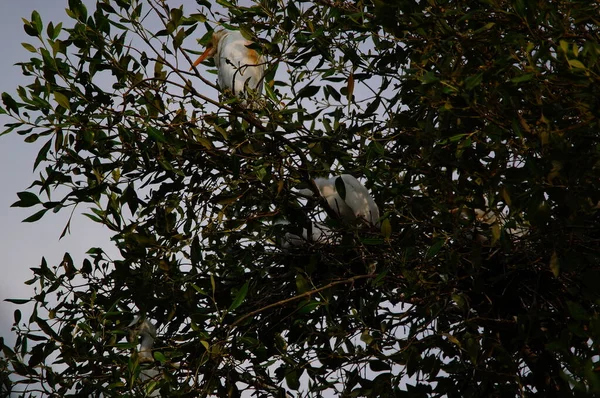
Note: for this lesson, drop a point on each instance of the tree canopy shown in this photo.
(473, 124)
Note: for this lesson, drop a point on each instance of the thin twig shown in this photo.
(309, 293)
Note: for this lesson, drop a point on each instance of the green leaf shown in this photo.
(555, 264)
(55, 31)
(473, 81)
(156, 134)
(18, 301)
(307, 307)
(42, 154)
(198, 17)
(176, 14)
(199, 290)
(523, 78)
(178, 39)
(366, 337)
(29, 28)
(379, 278)
(150, 387)
(240, 296)
(26, 199)
(386, 228)
(564, 45)
(62, 100)
(270, 93)
(29, 47)
(577, 311)
(36, 216)
(308, 91)
(159, 356)
(302, 284)
(429, 78)
(50, 30)
(166, 165)
(78, 9)
(340, 187)
(576, 64)
(10, 103)
(435, 248)
(37, 21)
(379, 366)
(486, 27)
(292, 379)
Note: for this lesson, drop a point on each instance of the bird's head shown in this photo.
(211, 48)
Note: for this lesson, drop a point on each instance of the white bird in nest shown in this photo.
(239, 67)
(147, 333)
(357, 202)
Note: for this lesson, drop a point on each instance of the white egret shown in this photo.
(238, 66)
(357, 202)
(147, 333)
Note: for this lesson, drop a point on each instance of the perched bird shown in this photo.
(147, 333)
(357, 202)
(239, 66)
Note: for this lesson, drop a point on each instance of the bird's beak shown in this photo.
(201, 58)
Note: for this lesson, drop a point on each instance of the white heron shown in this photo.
(147, 333)
(238, 66)
(357, 202)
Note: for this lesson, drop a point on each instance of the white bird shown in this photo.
(147, 333)
(357, 202)
(238, 66)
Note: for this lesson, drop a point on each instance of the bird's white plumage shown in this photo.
(238, 66)
(357, 203)
(147, 333)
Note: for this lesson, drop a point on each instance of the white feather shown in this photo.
(147, 333)
(357, 203)
(236, 65)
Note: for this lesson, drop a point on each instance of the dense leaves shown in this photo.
(474, 124)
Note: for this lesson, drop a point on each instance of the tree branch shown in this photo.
(305, 294)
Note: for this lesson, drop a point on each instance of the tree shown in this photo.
(446, 110)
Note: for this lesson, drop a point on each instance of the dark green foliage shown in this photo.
(444, 108)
